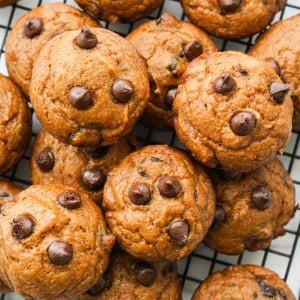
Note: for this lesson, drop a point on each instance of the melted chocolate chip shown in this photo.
(139, 194)
(278, 91)
(142, 172)
(170, 96)
(192, 50)
(33, 27)
(179, 231)
(80, 98)
(155, 159)
(122, 91)
(243, 123)
(169, 186)
(45, 160)
(220, 216)
(4, 194)
(261, 197)
(86, 39)
(99, 286)
(274, 64)
(96, 152)
(93, 179)
(229, 5)
(22, 227)
(145, 273)
(173, 65)
(69, 199)
(267, 290)
(60, 253)
(224, 84)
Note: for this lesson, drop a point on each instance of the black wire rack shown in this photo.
(283, 256)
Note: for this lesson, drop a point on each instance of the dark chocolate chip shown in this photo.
(220, 216)
(69, 199)
(224, 84)
(86, 39)
(170, 96)
(80, 98)
(142, 172)
(173, 65)
(96, 152)
(274, 64)
(229, 5)
(267, 290)
(169, 186)
(145, 273)
(45, 160)
(243, 123)
(192, 50)
(139, 194)
(278, 91)
(98, 287)
(155, 159)
(4, 195)
(242, 72)
(168, 268)
(93, 179)
(261, 197)
(122, 91)
(282, 295)
(60, 253)
(22, 227)
(33, 27)
(179, 231)
(158, 21)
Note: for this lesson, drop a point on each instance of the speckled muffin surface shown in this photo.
(251, 209)
(54, 243)
(6, 2)
(32, 31)
(8, 191)
(15, 124)
(85, 168)
(84, 105)
(119, 11)
(281, 43)
(232, 19)
(157, 204)
(245, 282)
(128, 278)
(167, 45)
(233, 111)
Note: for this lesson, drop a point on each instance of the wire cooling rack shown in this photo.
(283, 256)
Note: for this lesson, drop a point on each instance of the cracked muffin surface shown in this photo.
(167, 45)
(54, 242)
(32, 31)
(89, 87)
(157, 204)
(233, 111)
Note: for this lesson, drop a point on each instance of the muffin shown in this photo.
(8, 191)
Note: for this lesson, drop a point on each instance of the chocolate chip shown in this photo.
(278, 91)
(96, 152)
(145, 273)
(33, 27)
(80, 98)
(173, 65)
(122, 91)
(169, 186)
(69, 199)
(179, 231)
(155, 159)
(4, 195)
(93, 179)
(22, 227)
(142, 172)
(274, 64)
(282, 295)
(192, 50)
(267, 290)
(86, 39)
(158, 21)
(220, 216)
(168, 268)
(170, 96)
(261, 197)
(45, 160)
(99, 286)
(243, 123)
(229, 5)
(60, 253)
(139, 194)
(224, 84)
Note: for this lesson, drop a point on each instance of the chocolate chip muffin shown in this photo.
(251, 209)
(247, 281)
(280, 47)
(167, 45)
(233, 111)
(157, 204)
(5, 3)
(89, 87)
(128, 278)
(8, 192)
(32, 31)
(54, 243)
(85, 168)
(232, 19)
(119, 11)
(15, 124)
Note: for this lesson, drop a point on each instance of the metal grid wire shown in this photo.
(283, 256)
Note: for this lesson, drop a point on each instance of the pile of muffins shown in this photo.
(107, 219)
